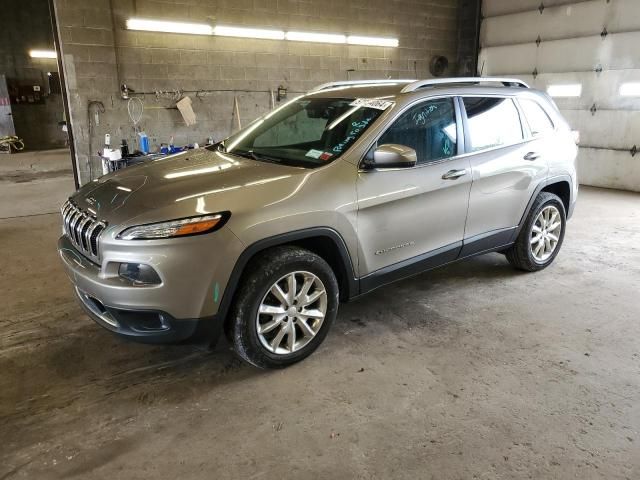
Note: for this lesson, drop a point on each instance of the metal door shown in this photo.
(6, 118)
(593, 44)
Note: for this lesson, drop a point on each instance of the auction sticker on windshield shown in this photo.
(319, 154)
(376, 103)
(314, 153)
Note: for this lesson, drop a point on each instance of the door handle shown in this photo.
(532, 156)
(454, 174)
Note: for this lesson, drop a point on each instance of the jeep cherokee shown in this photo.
(325, 198)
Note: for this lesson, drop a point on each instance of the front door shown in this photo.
(407, 214)
(6, 118)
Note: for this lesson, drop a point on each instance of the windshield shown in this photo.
(305, 132)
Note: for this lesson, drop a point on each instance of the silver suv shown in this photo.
(326, 198)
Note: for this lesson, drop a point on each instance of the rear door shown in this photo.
(541, 131)
(506, 164)
(405, 213)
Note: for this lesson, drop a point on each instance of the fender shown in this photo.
(352, 284)
(539, 188)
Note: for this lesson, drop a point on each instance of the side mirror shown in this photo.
(392, 155)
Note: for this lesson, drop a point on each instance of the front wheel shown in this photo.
(284, 309)
(541, 236)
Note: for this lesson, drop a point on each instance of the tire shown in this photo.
(522, 254)
(276, 267)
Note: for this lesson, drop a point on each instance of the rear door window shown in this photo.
(492, 122)
(538, 120)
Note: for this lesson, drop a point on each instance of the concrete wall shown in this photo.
(99, 55)
(593, 43)
(26, 25)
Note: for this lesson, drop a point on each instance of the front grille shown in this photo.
(83, 229)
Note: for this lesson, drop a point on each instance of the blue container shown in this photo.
(143, 142)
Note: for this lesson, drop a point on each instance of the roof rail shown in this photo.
(507, 82)
(347, 83)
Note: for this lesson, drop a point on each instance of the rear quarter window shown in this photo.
(538, 120)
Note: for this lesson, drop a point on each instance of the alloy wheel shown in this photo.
(291, 313)
(545, 233)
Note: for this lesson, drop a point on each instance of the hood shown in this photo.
(187, 184)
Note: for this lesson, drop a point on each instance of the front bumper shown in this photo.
(150, 314)
(148, 326)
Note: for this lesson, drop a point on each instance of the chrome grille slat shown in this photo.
(96, 236)
(65, 209)
(82, 229)
(81, 226)
(74, 219)
(77, 217)
(67, 220)
(71, 217)
(87, 235)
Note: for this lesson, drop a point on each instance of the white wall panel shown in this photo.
(572, 55)
(491, 8)
(566, 21)
(625, 51)
(584, 54)
(607, 128)
(602, 89)
(624, 16)
(555, 23)
(609, 168)
(509, 58)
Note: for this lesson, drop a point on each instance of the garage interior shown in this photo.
(474, 370)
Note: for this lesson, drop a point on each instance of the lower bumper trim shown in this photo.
(150, 326)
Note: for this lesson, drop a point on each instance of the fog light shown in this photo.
(139, 273)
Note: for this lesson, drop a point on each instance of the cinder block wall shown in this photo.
(100, 55)
(26, 25)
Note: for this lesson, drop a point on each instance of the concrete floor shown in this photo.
(34, 182)
(472, 371)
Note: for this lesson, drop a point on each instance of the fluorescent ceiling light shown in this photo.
(630, 89)
(316, 37)
(43, 54)
(169, 27)
(568, 90)
(248, 32)
(372, 41)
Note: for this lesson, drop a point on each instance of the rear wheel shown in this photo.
(285, 307)
(541, 236)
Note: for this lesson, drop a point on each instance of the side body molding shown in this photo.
(353, 286)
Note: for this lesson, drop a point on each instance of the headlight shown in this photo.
(175, 228)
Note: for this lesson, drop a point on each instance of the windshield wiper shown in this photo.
(256, 156)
